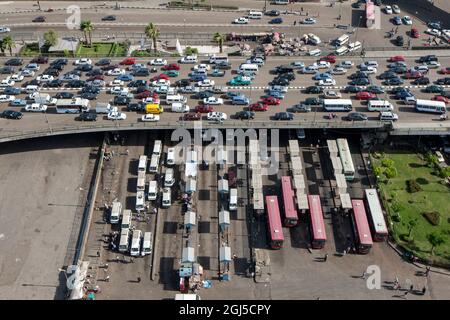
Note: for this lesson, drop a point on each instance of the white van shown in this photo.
(124, 240)
(142, 163)
(116, 211)
(388, 116)
(342, 40)
(170, 99)
(126, 219)
(140, 201)
(169, 179)
(314, 39)
(31, 88)
(189, 59)
(218, 58)
(180, 107)
(379, 105)
(255, 14)
(354, 46)
(140, 186)
(147, 244)
(341, 51)
(248, 67)
(157, 148)
(154, 164)
(315, 52)
(233, 200)
(135, 249)
(152, 190)
(170, 161)
(167, 198)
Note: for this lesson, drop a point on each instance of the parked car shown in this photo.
(87, 116)
(284, 116)
(244, 115)
(10, 114)
(364, 95)
(355, 116)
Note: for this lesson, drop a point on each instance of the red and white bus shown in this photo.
(375, 215)
(318, 235)
(290, 212)
(361, 227)
(276, 237)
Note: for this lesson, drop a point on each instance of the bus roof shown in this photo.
(288, 198)
(362, 225)
(315, 210)
(274, 219)
(345, 155)
(337, 102)
(375, 211)
(430, 103)
(294, 149)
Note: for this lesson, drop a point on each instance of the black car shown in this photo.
(276, 21)
(33, 82)
(94, 90)
(121, 101)
(39, 60)
(289, 75)
(360, 82)
(84, 67)
(87, 116)
(443, 81)
(445, 94)
(421, 81)
(75, 84)
(39, 19)
(64, 95)
(245, 115)
(377, 2)
(358, 75)
(301, 107)
(51, 72)
(109, 18)
(355, 116)
(280, 82)
(57, 66)
(314, 89)
(203, 95)
(183, 83)
(283, 69)
(283, 116)
(89, 95)
(137, 83)
(223, 65)
(109, 67)
(375, 89)
(313, 101)
(7, 70)
(139, 106)
(352, 89)
(62, 61)
(387, 75)
(75, 72)
(11, 114)
(94, 72)
(399, 89)
(103, 62)
(12, 91)
(400, 41)
(427, 58)
(272, 13)
(56, 83)
(435, 25)
(400, 70)
(434, 89)
(143, 72)
(14, 62)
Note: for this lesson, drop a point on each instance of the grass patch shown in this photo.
(429, 197)
(31, 50)
(102, 49)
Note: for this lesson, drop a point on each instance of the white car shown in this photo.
(213, 100)
(161, 82)
(116, 115)
(315, 52)
(189, 59)
(36, 107)
(69, 77)
(116, 83)
(27, 73)
(5, 30)
(346, 64)
(118, 90)
(396, 9)
(323, 65)
(278, 88)
(7, 83)
(115, 72)
(331, 94)
(150, 118)
(217, 116)
(371, 70)
(327, 82)
(151, 100)
(45, 78)
(7, 98)
(96, 83)
(388, 116)
(339, 70)
(388, 9)
(158, 62)
(407, 20)
(241, 20)
(297, 64)
(206, 83)
(433, 32)
(310, 69)
(202, 66)
(83, 61)
(32, 66)
(16, 77)
(369, 64)
(433, 64)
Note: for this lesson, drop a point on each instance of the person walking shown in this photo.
(406, 295)
(427, 272)
(107, 279)
(325, 258)
(424, 289)
(363, 276)
(138, 279)
(295, 22)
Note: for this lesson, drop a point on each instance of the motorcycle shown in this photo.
(443, 117)
(332, 116)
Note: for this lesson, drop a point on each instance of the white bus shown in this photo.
(294, 150)
(248, 67)
(337, 104)
(354, 46)
(157, 148)
(341, 51)
(75, 105)
(379, 105)
(375, 215)
(218, 58)
(140, 201)
(342, 40)
(430, 106)
(141, 181)
(142, 163)
(346, 159)
(154, 164)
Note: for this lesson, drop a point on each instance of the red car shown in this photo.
(191, 116)
(128, 61)
(329, 58)
(397, 58)
(413, 75)
(143, 94)
(271, 101)
(172, 66)
(161, 76)
(40, 60)
(441, 98)
(97, 77)
(415, 33)
(259, 107)
(445, 70)
(204, 108)
(364, 95)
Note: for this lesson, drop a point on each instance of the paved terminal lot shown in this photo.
(43, 186)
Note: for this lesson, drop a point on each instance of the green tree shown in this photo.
(411, 224)
(390, 172)
(219, 39)
(377, 171)
(436, 239)
(152, 32)
(51, 38)
(87, 28)
(8, 44)
(387, 162)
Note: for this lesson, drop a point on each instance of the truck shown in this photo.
(43, 98)
(104, 107)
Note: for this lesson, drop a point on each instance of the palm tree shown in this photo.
(435, 239)
(152, 32)
(219, 39)
(87, 27)
(83, 28)
(8, 44)
(51, 38)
